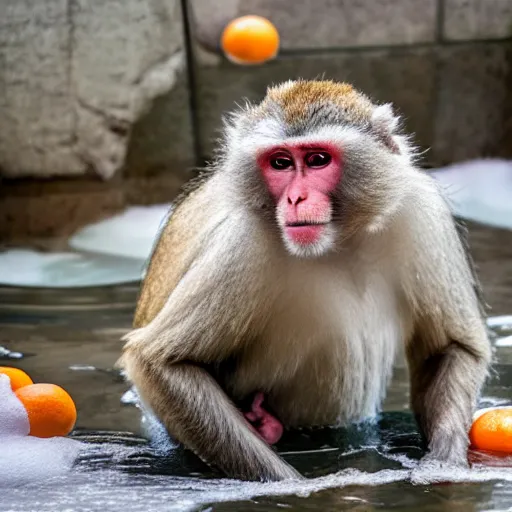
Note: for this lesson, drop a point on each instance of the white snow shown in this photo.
(24, 458)
(480, 190)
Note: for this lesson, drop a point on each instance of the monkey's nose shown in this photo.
(294, 200)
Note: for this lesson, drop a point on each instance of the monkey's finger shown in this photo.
(251, 417)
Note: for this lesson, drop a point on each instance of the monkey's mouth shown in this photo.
(304, 224)
(304, 233)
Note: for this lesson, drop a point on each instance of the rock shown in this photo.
(77, 75)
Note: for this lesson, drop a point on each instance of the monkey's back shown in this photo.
(162, 277)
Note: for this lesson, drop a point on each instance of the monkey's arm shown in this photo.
(445, 383)
(449, 352)
(196, 411)
(208, 284)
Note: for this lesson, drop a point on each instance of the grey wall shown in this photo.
(96, 95)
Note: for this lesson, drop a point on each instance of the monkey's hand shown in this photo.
(267, 426)
(432, 470)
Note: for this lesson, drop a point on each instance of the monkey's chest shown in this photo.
(325, 357)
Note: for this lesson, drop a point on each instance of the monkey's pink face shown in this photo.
(301, 180)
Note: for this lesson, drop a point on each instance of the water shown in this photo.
(72, 338)
(346, 469)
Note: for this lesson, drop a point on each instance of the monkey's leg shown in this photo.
(197, 413)
(444, 391)
(267, 426)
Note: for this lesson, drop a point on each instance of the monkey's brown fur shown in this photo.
(356, 107)
(165, 277)
(225, 310)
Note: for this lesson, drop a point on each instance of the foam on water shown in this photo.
(24, 458)
(120, 478)
(27, 459)
(502, 322)
(13, 416)
(9, 354)
(29, 268)
(106, 490)
(504, 342)
(129, 234)
(480, 190)
(109, 252)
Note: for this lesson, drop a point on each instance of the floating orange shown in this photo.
(250, 40)
(492, 431)
(51, 411)
(18, 377)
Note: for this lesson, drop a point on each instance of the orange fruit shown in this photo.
(492, 431)
(51, 411)
(18, 377)
(250, 40)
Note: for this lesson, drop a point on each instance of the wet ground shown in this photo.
(72, 338)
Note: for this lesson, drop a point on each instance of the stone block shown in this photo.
(46, 212)
(135, 56)
(491, 249)
(324, 23)
(477, 19)
(76, 77)
(54, 209)
(162, 139)
(474, 111)
(36, 105)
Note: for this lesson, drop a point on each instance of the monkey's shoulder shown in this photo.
(191, 186)
(175, 248)
(200, 226)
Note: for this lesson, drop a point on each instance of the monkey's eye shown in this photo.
(319, 159)
(281, 162)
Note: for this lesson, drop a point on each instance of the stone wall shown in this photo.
(446, 65)
(105, 103)
(77, 76)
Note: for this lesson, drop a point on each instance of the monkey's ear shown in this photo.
(384, 124)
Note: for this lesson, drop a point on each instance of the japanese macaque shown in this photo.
(288, 275)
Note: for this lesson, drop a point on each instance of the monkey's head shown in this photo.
(320, 160)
